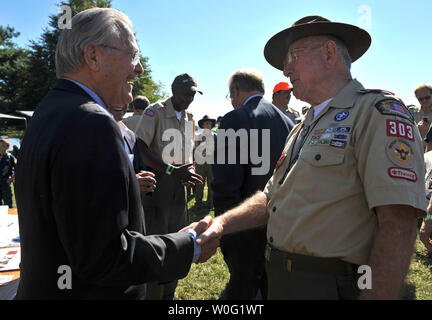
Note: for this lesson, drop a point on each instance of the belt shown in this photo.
(297, 262)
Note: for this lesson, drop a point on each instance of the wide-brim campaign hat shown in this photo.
(206, 119)
(356, 39)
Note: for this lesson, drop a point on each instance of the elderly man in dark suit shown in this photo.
(80, 216)
(235, 182)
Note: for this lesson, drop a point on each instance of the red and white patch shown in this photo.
(400, 173)
(400, 129)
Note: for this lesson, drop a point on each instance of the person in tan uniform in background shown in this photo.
(349, 185)
(281, 98)
(139, 104)
(165, 135)
(423, 117)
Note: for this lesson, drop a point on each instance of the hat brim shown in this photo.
(196, 90)
(200, 122)
(187, 89)
(356, 40)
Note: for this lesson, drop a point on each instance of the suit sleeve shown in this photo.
(228, 178)
(91, 186)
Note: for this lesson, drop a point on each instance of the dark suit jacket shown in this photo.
(233, 183)
(79, 205)
(130, 138)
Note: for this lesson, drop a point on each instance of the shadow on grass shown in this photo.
(425, 259)
(408, 292)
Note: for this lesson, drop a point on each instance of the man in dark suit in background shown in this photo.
(145, 178)
(234, 182)
(81, 222)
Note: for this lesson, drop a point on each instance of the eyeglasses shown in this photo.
(135, 56)
(424, 98)
(293, 55)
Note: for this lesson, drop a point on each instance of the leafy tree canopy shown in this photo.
(27, 75)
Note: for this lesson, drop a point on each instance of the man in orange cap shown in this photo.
(281, 98)
(349, 184)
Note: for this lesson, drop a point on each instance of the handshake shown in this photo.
(209, 232)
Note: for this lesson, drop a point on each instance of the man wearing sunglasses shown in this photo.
(349, 186)
(423, 117)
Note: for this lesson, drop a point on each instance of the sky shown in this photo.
(212, 39)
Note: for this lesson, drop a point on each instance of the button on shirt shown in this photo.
(352, 161)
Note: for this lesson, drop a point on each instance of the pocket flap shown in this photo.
(323, 158)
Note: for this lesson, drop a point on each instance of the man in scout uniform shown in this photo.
(203, 168)
(423, 116)
(281, 98)
(349, 186)
(165, 135)
(139, 104)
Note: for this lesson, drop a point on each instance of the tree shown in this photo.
(41, 74)
(13, 63)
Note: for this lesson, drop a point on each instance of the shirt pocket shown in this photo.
(323, 157)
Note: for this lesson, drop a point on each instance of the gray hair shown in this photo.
(343, 53)
(247, 80)
(96, 26)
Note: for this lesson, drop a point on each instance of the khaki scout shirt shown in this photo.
(354, 158)
(292, 114)
(132, 121)
(156, 120)
(420, 115)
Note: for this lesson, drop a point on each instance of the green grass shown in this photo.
(418, 284)
(12, 132)
(206, 281)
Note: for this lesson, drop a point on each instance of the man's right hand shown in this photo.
(186, 175)
(210, 245)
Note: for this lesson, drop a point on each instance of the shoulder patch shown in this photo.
(393, 107)
(157, 105)
(149, 112)
(376, 91)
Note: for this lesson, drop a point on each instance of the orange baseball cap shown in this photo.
(282, 86)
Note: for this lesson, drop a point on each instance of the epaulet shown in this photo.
(158, 105)
(364, 91)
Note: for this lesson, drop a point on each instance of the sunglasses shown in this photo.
(424, 98)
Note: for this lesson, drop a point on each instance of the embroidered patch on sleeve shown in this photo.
(400, 153)
(392, 107)
(149, 113)
(400, 129)
(400, 173)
